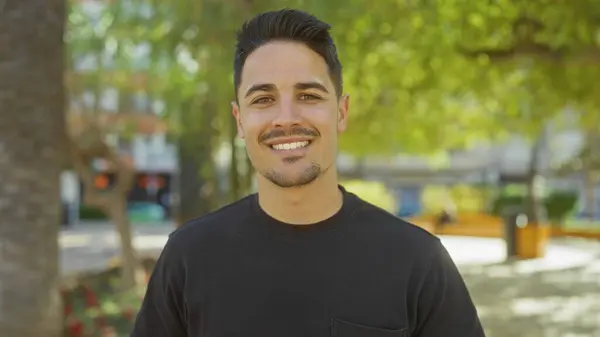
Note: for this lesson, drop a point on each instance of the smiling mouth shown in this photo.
(290, 145)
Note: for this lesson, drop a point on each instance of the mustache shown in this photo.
(295, 131)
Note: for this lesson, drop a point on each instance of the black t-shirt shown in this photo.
(361, 273)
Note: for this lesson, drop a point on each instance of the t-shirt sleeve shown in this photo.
(162, 313)
(445, 307)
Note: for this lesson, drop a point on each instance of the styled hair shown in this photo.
(287, 25)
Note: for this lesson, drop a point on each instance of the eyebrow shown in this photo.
(300, 86)
(311, 85)
(260, 87)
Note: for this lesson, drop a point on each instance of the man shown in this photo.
(445, 217)
(303, 257)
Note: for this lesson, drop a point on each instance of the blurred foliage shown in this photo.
(374, 192)
(95, 304)
(434, 199)
(91, 213)
(558, 204)
(424, 76)
(470, 199)
(514, 190)
(464, 198)
(434, 74)
(444, 74)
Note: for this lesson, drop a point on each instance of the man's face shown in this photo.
(289, 114)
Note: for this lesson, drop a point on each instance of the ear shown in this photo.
(235, 110)
(343, 105)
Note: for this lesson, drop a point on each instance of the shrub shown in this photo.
(94, 305)
(558, 204)
(374, 192)
(466, 198)
(91, 213)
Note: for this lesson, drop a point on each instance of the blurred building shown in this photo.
(137, 129)
(487, 164)
(135, 120)
(146, 146)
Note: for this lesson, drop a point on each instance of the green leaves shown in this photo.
(422, 75)
(451, 97)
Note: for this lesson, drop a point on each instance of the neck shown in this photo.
(304, 205)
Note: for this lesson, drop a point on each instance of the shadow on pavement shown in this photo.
(552, 303)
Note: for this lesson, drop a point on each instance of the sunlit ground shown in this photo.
(92, 247)
(557, 296)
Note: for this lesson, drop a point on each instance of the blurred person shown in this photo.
(302, 257)
(446, 216)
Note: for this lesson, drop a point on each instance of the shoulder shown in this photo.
(222, 222)
(383, 224)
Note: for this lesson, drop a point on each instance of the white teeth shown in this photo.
(290, 146)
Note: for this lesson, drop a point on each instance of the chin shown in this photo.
(287, 178)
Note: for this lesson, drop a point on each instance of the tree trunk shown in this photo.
(130, 265)
(533, 200)
(590, 194)
(190, 204)
(32, 135)
(591, 173)
(198, 178)
(86, 147)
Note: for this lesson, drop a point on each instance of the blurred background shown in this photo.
(477, 120)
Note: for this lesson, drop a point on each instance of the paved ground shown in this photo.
(557, 296)
(91, 246)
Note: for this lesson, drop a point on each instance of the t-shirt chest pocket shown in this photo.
(340, 328)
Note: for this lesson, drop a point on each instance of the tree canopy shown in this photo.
(422, 75)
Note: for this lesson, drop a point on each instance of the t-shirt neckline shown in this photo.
(330, 223)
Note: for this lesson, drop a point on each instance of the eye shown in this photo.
(262, 100)
(308, 97)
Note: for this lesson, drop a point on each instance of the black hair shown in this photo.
(287, 25)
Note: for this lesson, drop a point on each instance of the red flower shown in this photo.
(74, 326)
(100, 321)
(108, 331)
(68, 309)
(63, 292)
(66, 300)
(128, 313)
(91, 300)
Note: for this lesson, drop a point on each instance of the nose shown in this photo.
(287, 115)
